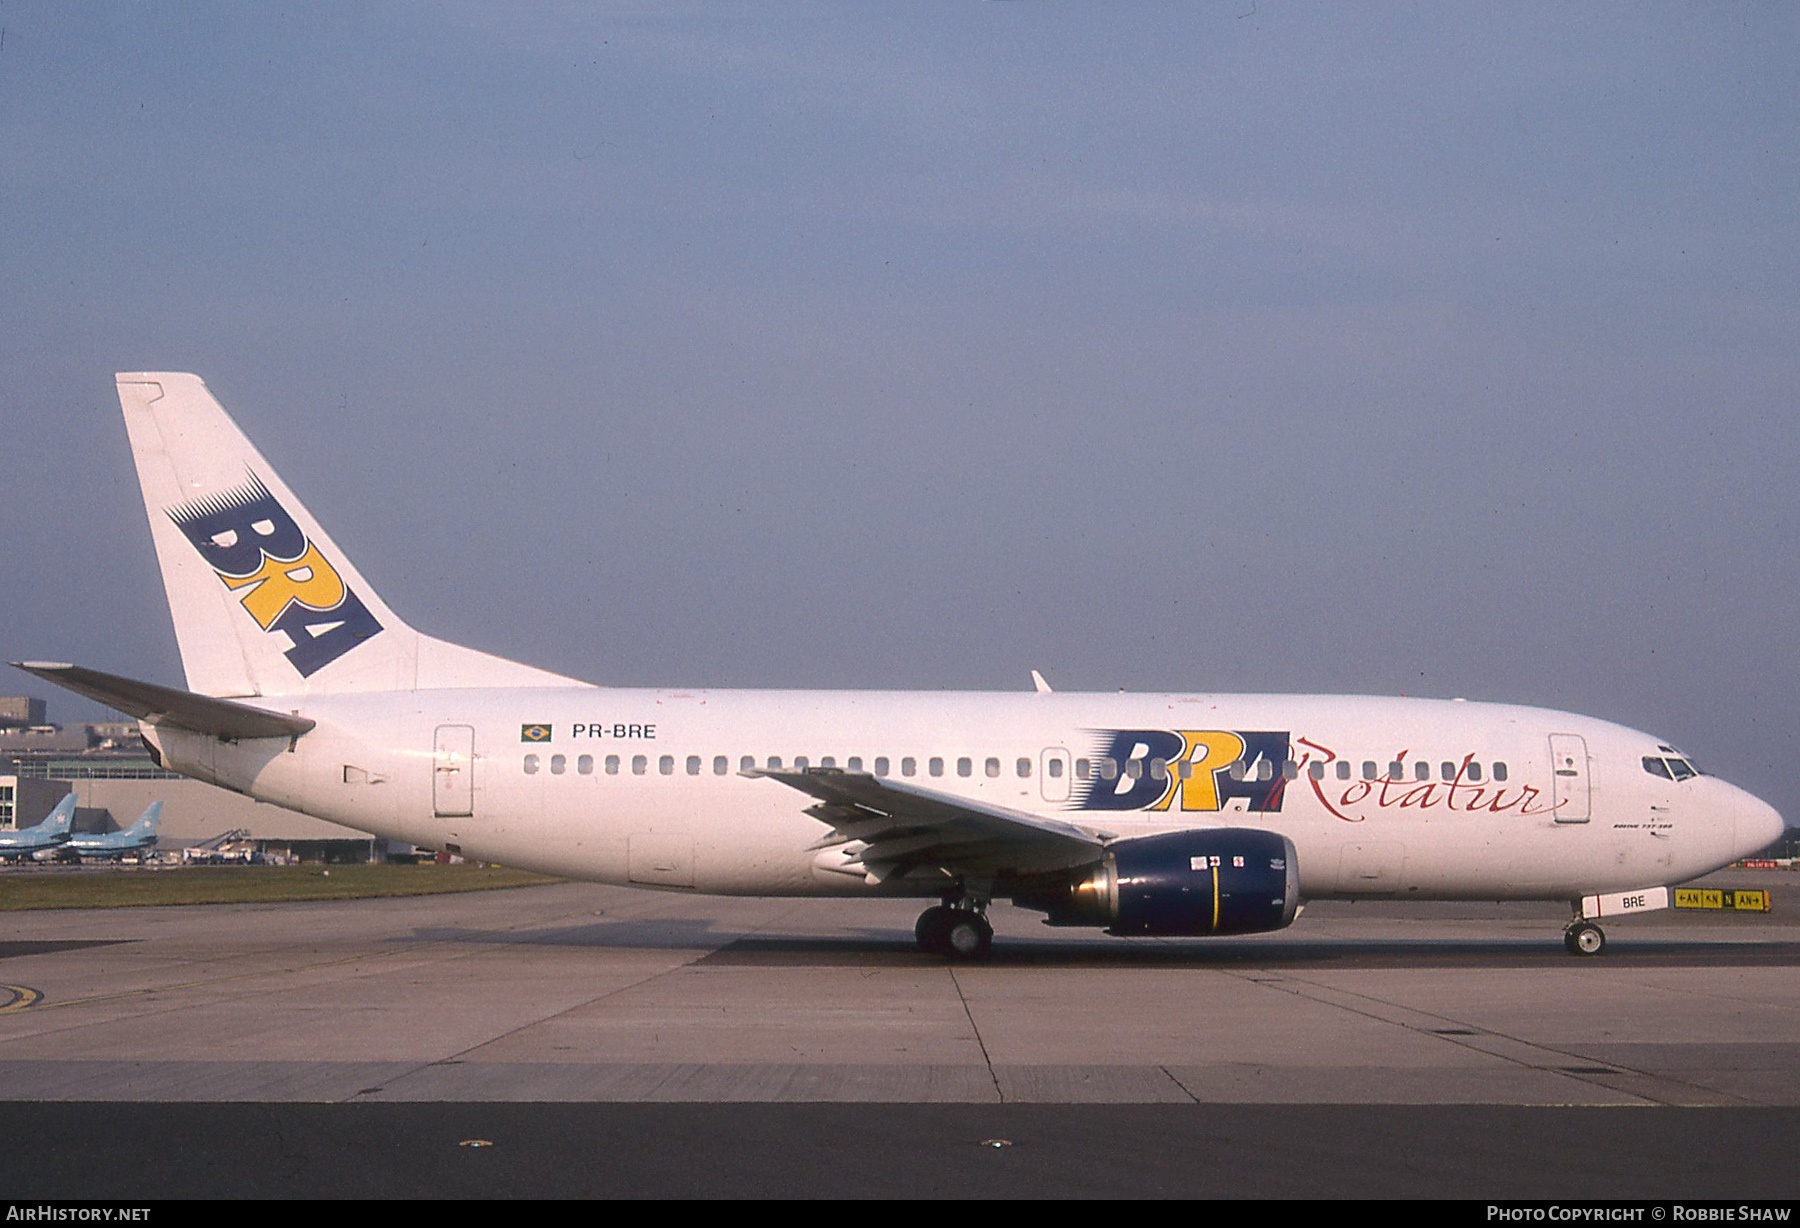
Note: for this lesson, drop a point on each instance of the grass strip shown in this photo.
(134, 886)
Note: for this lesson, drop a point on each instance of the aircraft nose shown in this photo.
(1758, 824)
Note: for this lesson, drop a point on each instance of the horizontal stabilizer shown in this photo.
(161, 705)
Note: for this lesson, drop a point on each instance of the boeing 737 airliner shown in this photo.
(1179, 814)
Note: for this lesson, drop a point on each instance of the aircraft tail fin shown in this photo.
(147, 821)
(264, 602)
(58, 821)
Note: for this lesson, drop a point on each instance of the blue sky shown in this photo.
(1443, 350)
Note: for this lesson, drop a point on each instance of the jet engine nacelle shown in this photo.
(1235, 880)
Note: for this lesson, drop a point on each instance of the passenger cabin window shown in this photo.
(936, 766)
(1396, 770)
(666, 765)
(1474, 770)
(531, 765)
(1316, 771)
(639, 765)
(693, 765)
(747, 763)
(612, 765)
(1447, 770)
(801, 762)
(1421, 770)
(1083, 769)
(721, 765)
(559, 764)
(1343, 769)
(964, 766)
(1025, 768)
(774, 763)
(1109, 768)
(585, 765)
(1368, 769)
(992, 768)
(1499, 772)
(881, 765)
(853, 763)
(909, 766)
(1055, 767)
(828, 762)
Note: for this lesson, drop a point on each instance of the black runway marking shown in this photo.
(13, 950)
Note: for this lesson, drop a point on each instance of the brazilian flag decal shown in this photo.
(534, 733)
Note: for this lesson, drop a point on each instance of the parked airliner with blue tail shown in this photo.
(1176, 814)
(140, 837)
(51, 833)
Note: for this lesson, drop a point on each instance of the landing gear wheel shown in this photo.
(932, 928)
(968, 936)
(1584, 938)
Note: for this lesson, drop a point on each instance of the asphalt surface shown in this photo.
(578, 1040)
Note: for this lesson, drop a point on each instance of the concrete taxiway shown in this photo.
(575, 992)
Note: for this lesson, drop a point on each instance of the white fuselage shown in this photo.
(1410, 798)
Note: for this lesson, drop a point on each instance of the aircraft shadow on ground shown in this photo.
(889, 948)
(874, 950)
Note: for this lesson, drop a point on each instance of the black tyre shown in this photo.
(968, 936)
(930, 929)
(1586, 939)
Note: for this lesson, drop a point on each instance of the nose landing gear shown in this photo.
(1583, 937)
(957, 930)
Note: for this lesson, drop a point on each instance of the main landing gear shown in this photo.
(1583, 937)
(957, 929)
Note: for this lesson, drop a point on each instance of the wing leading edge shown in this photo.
(903, 828)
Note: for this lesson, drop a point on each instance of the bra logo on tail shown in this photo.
(286, 584)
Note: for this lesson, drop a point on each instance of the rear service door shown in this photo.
(453, 772)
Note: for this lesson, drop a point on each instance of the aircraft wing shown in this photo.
(903, 827)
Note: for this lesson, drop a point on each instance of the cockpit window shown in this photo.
(1672, 768)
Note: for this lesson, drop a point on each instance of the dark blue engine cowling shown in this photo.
(1233, 880)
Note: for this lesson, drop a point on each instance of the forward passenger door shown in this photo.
(1570, 790)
